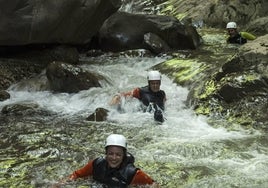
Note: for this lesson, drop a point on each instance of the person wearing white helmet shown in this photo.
(116, 169)
(151, 96)
(237, 37)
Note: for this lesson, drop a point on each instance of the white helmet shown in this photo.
(231, 25)
(154, 75)
(116, 140)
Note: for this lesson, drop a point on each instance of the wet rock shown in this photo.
(242, 87)
(22, 108)
(124, 31)
(239, 90)
(63, 77)
(4, 95)
(258, 26)
(13, 70)
(100, 114)
(52, 22)
(233, 87)
(155, 44)
(219, 13)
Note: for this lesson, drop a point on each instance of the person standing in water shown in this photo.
(116, 169)
(151, 96)
(236, 37)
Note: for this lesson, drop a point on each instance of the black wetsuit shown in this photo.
(156, 99)
(114, 177)
(238, 39)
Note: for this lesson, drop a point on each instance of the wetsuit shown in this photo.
(114, 177)
(156, 98)
(241, 38)
(152, 101)
(125, 175)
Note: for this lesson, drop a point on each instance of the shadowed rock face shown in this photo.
(50, 21)
(124, 31)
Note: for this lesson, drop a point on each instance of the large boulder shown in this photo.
(50, 21)
(239, 90)
(229, 85)
(124, 31)
(63, 77)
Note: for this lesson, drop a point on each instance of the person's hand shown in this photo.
(115, 100)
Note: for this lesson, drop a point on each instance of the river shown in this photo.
(38, 149)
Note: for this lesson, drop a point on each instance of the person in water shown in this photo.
(151, 96)
(116, 169)
(237, 37)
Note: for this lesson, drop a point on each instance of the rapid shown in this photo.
(38, 149)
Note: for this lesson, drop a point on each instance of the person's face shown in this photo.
(231, 32)
(114, 156)
(154, 85)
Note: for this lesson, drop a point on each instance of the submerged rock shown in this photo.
(100, 114)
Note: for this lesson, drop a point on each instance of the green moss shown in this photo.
(250, 77)
(181, 16)
(168, 8)
(14, 182)
(184, 70)
(242, 120)
(210, 88)
(8, 163)
(171, 9)
(202, 110)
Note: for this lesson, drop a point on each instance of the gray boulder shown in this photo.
(124, 31)
(50, 21)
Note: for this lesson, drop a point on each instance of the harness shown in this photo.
(114, 177)
(156, 98)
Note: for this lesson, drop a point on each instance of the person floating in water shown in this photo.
(151, 96)
(115, 170)
(236, 37)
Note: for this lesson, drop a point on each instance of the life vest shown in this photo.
(238, 39)
(157, 98)
(114, 177)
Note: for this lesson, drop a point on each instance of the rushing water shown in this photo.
(38, 149)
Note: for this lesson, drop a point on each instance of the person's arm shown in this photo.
(117, 98)
(134, 93)
(141, 178)
(87, 170)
